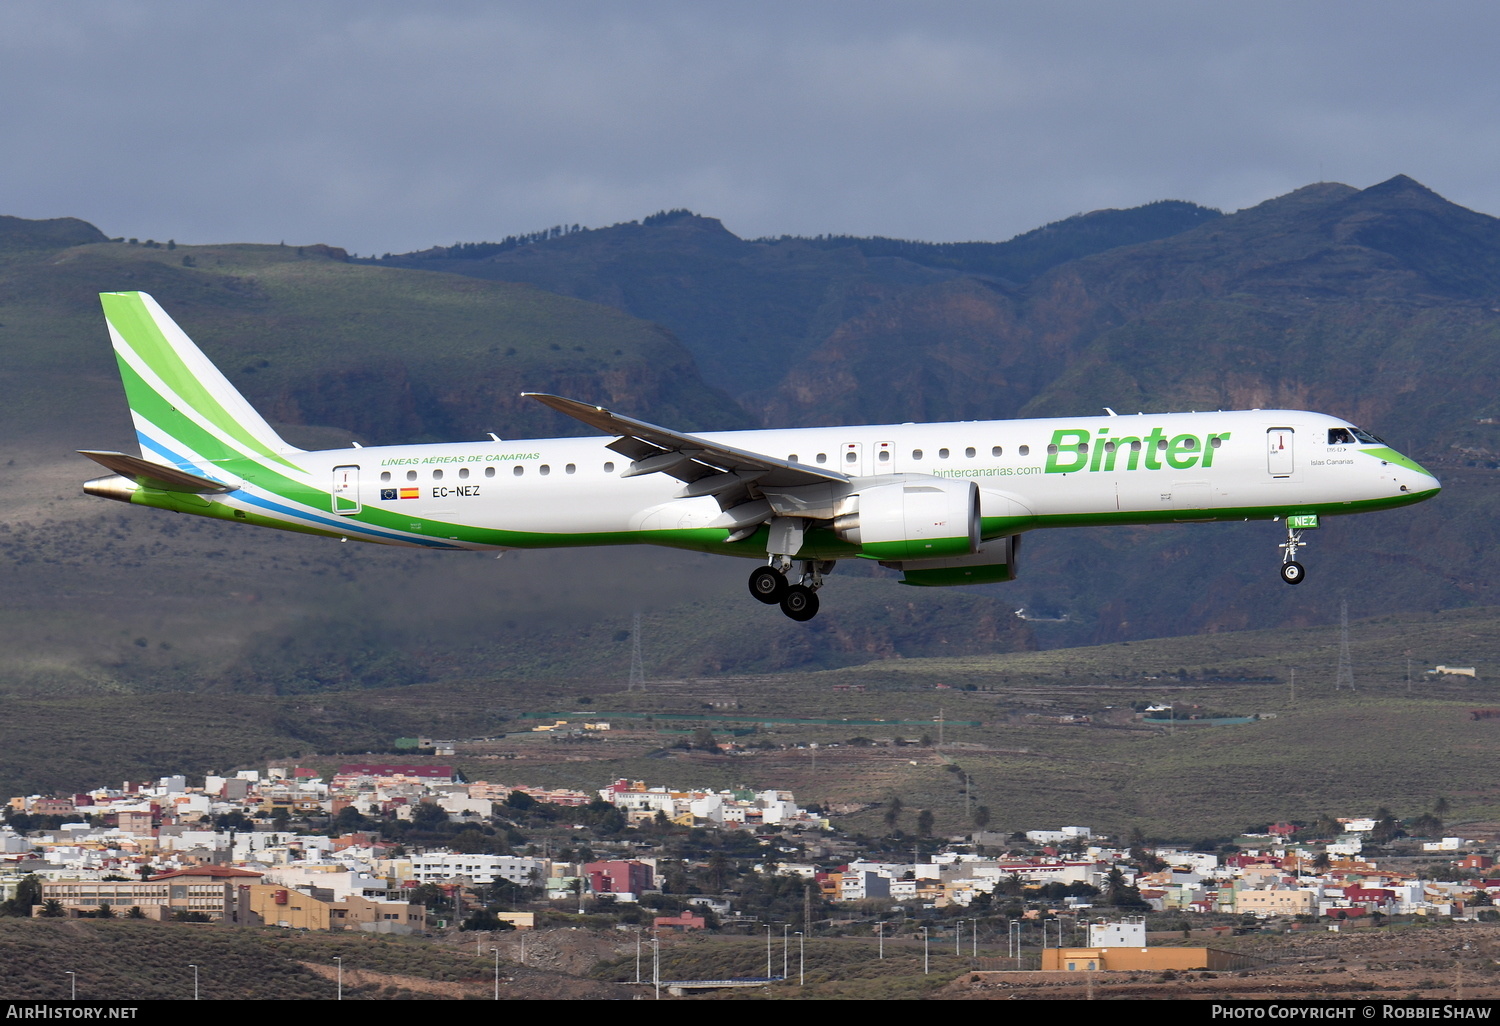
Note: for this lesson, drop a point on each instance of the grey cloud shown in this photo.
(383, 126)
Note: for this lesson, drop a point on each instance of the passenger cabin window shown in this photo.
(463, 473)
(437, 475)
(1052, 450)
(385, 475)
(791, 457)
(489, 471)
(822, 457)
(518, 470)
(411, 475)
(571, 468)
(1215, 441)
(996, 450)
(1135, 446)
(544, 470)
(1024, 450)
(942, 454)
(851, 457)
(916, 454)
(609, 468)
(969, 452)
(885, 455)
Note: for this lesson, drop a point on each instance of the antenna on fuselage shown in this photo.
(1112, 413)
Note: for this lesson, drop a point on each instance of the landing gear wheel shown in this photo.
(800, 602)
(768, 585)
(1292, 573)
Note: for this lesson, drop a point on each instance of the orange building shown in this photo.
(1151, 959)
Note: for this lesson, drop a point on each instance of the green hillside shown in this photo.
(752, 310)
(380, 354)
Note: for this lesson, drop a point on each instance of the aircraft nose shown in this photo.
(1417, 479)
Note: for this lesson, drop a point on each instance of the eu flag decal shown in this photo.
(387, 493)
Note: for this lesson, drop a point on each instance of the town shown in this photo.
(413, 849)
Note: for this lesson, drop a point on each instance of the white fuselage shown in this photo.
(1030, 473)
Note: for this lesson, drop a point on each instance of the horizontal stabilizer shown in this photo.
(156, 475)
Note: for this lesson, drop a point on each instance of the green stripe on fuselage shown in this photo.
(1389, 455)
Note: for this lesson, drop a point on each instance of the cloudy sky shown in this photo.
(384, 126)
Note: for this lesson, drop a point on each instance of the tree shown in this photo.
(718, 871)
(430, 895)
(924, 822)
(484, 919)
(349, 820)
(893, 813)
(53, 909)
(1427, 825)
(981, 817)
(135, 913)
(29, 891)
(1387, 828)
(28, 894)
(429, 817)
(1121, 895)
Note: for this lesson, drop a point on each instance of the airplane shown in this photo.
(943, 503)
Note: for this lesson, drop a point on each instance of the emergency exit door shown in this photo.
(1281, 458)
(345, 490)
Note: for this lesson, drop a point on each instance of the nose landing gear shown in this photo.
(1293, 572)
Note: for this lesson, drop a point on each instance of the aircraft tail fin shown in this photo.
(186, 412)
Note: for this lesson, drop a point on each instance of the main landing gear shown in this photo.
(799, 601)
(1293, 572)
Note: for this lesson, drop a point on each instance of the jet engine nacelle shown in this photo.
(917, 518)
(994, 562)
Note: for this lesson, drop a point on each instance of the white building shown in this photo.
(442, 867)
(1127, 933)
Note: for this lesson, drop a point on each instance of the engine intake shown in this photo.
(926, 518)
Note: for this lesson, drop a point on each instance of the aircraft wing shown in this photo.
(706, 467)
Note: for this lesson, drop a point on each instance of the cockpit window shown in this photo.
(1352, 436)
